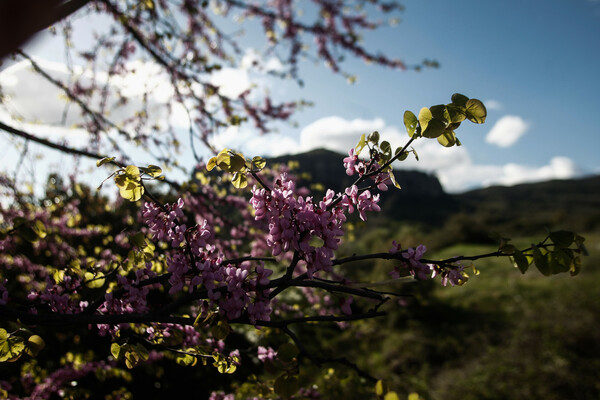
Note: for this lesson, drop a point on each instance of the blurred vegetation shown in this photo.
(502, 334)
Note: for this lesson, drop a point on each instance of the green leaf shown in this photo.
(447, 139)
(224, 160)
(133, 172)
(104, 160)
(361, 144)
(393, 179)
(152, 170)
(386, 148)
(258, 163)
(135, 354)
(94, 281)
(459, 100)
(212, 163)
(287, 352)
(39, 228)
(239, 180)
(129, 188)
(286, 386)
(11, 346)
(374, 137)
(475, 111)
(562, 239)
(541, 261)
(457, 114)
(425, 116)
(221, 330)
(381, 388)
(35, 344)
(186, 360)
(410, 122)
(115, 350)
(440, 112)
(520, 261)
(391, 396)
(238, 163)
(435, 128)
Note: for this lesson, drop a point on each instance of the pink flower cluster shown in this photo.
(353, 164)
(297, 223)
(266, 353)
(412, 256)
(193, 262)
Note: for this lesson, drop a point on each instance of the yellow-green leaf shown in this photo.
(211, 163)
(104, 160)
(35, 344)
(11, 346)
(410, 122)
(475, 111)
(239, 180)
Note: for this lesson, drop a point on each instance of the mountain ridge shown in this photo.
(574, 203)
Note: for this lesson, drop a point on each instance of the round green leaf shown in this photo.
(435, 127)
(475, 111)
(459, 99)
(447, 139)
(424, 117)
(35, 344)
(410, 122)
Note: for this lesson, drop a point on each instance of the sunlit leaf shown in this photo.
(381, 388)
(374, 137)
(424, 117)
(475, 111)
(11, 346)
(239, 180)
(459, 99)
(435, 128)
(104, 160)
(35, 344)
(410, 122)
(115, 350)
(447, 139)
(258, 163)
(212, 163)
(361, 144)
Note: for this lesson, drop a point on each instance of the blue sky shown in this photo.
(534, 63)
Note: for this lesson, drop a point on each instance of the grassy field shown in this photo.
(503, 335)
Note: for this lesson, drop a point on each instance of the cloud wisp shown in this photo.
(507, 131)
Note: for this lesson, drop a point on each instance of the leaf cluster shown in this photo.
(560, 252)
(236, 164)
(440, 121)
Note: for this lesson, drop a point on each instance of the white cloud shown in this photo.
(337, 134)
(231, 81)
(454, 167)
(250, 143)
(35, 99)
(507, 130)
(492, 104)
